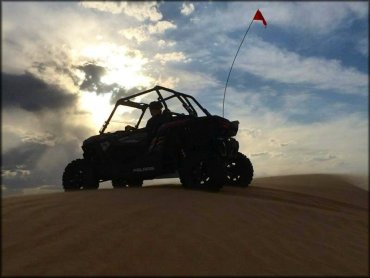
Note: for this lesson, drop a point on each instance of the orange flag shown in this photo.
(259, 16)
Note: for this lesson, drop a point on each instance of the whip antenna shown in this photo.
(257, 16)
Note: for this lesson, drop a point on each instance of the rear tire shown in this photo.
(239, 171)
(79, 175)
(202, 173)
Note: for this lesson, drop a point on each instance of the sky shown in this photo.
(299, 87)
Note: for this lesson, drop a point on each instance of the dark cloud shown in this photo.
(19, 165)
(32, 94)
(28, 165)
(44, 139)
(124, 93)
(92, 82)
(60, 68)
(93, 74)
(40, 155)
(26, 155)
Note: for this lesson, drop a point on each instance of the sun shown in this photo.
(98, 106)
(123, 66)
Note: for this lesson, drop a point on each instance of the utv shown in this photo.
(192, 144)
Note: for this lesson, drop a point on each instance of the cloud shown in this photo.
(41, 132)
(26, 155)
(32, 94)
(318, 17)
(363, 46)
(15, 173)
(25, 166)
(54, 65)
(92, 81)
(139, 10)
(164, 58)
(297, 103)
(124, 93)
(164, 43)
(311, 18)
(123, 67)
(144, 32)
(139, 34)
(111, 7)
(334, 146)
(40, 158)
(251, 133)
(24, 44)
(43, 138)
(279, 144)
(187, 8)
(189, 82)
(93, 74)
(169, 81)
(273, 63)
(160, 27)
(197, 83)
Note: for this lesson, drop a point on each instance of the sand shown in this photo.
(289, 225)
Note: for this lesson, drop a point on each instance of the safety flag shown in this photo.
(259, 16)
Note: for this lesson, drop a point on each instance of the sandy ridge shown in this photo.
(290, 225)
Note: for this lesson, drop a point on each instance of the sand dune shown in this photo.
(289, 225)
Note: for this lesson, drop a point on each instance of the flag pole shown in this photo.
(227, 80)
(257, 16)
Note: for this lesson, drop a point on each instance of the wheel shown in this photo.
(119, 183)
(202, 173)
(79, 175)
(239, 171)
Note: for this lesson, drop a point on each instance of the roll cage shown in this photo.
(183, 98)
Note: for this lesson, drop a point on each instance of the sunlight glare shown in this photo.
(124, 67)
(98, 105)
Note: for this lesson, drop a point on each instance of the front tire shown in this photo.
(239, 171)
(79, 175)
